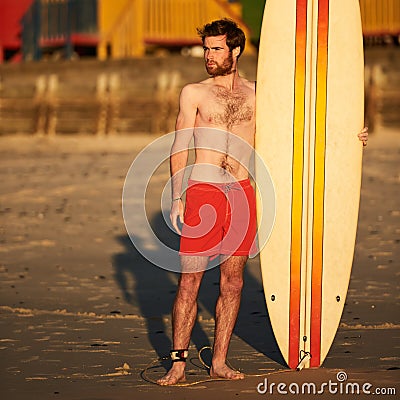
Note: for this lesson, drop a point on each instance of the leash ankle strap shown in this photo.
(179, 355)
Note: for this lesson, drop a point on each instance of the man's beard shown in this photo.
(221, 70)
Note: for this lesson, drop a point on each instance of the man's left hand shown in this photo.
(363, 136)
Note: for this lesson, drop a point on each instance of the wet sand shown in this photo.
(82, 313)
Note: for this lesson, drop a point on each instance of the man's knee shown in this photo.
(231, 284)
(189, 284)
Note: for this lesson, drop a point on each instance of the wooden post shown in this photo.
(40, 92)
(172, 97)
(101, 91)
(52, 103)
(114, 102)
(158, 123)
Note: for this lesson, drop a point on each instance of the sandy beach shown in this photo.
(83, 315)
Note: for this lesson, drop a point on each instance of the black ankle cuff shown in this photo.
(179, 355)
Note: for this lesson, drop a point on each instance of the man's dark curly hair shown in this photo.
(235, 37)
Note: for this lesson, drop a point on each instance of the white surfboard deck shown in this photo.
(309, 111)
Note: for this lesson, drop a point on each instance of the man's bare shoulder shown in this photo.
(194, 89)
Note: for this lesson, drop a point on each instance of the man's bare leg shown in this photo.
(184, 313)
(231, 284)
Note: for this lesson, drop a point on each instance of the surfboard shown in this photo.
(309, 111)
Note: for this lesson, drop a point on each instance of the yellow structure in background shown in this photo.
(380, 17)
(126, 27)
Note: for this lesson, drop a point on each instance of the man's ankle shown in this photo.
(218, 362)
(178, 366)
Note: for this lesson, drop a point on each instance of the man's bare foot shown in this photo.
(175, 375)
(225, 372)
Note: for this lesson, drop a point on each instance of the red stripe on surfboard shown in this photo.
(297, 183)
(319, 183)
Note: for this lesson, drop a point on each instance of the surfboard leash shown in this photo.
(183, 384)
(152, 364)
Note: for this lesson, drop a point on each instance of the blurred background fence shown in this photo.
(36, 29)
(135, 56)
(49, 25)
(118, 28)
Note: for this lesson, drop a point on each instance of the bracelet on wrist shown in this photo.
(178, 198)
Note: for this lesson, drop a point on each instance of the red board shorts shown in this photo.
(220, 218)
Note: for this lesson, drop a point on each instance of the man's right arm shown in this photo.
(180, 149)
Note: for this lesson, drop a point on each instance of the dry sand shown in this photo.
(82, 313)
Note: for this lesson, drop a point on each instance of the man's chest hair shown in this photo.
(229, 108)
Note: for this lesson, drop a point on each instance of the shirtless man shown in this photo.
(219, 113)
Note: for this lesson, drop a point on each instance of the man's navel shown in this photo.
(226, 165)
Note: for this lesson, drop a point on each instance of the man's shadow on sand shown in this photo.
(153, 290)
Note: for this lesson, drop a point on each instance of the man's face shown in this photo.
(217, 56)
